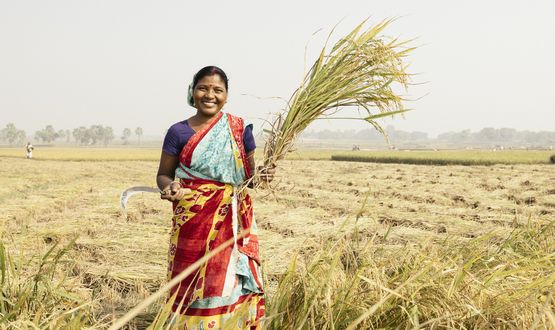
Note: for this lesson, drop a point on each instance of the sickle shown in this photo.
(135, 190)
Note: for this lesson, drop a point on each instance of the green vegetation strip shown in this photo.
(447, 157)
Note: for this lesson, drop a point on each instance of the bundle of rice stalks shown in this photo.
(361, 70)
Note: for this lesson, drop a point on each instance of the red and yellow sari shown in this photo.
(227, 288)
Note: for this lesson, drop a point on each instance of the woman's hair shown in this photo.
(209, 71)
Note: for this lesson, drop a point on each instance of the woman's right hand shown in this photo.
(174, 192)
(266, 173)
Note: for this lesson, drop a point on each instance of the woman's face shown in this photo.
(210, 95)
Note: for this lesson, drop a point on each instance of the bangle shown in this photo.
(169, 185)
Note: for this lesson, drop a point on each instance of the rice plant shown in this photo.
(35, 293)
(357, 282)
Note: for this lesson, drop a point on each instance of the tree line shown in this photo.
(92, 135)
(486, 136)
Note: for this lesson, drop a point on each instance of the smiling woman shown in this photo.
(212, 154)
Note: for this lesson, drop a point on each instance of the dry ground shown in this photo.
(123, 258)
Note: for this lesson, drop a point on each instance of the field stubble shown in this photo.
(120, 260)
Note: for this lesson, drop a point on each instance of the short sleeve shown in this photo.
(248, 139)
(171, 142)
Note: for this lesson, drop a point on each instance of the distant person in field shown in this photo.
(204, 161)
(29, 148)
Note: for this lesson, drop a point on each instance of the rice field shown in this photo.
(452, 157)
(86, 154)
(398, 245)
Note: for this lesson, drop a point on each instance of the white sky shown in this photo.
(127, 63)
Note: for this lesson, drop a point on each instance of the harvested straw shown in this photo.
(361, 70)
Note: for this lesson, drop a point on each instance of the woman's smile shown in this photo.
(209, 103)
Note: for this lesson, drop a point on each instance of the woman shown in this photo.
(210, 155)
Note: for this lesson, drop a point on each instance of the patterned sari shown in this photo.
(227, 288)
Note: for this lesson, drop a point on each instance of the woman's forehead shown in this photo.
(214, 79)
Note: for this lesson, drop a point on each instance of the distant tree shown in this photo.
(68, 136)
(464, 136)
(529, 137)
(488, 134)
(418, 136)
(61, 134)
(397, 135)
(20, 136)
(456, 137)
(82, 135)
(507, 134)
(100, 134)
(108, 135)
(139, 133)
(11, 134)
(447, 136)
(369, 134)
(126, 135)
(4, 132)
(97, 133)
(48, 134)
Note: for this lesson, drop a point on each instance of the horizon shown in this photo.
(308, 134)
(307, 131)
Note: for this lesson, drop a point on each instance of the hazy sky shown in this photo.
(127, 63)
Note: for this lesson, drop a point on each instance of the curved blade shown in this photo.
(132, 191)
